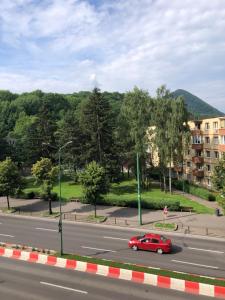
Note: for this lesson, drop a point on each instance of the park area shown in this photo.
(124, 194)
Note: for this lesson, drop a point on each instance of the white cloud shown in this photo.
(180, 43)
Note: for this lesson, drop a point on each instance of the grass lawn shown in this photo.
(126, 191)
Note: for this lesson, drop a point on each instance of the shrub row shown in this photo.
(150, 204)
(36, 194)
(194, 190)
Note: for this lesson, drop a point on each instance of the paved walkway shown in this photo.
(210, 204)
(191, 222)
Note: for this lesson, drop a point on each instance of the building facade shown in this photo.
(207, 146)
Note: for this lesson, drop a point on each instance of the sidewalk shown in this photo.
(210, 204)
(187, 222)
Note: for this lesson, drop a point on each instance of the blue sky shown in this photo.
(70, 45)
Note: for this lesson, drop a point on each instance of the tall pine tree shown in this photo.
(98, 127)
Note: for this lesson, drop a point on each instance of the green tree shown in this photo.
(10, 179)
(137, 109)
(26, 149)
(171, 128)
(95, 183)
(69, 130)
(218, 180)
(98, 126)
(45, 173)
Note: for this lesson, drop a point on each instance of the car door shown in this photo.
(153, 244)
(144, 244)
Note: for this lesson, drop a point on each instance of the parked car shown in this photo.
(151, 242)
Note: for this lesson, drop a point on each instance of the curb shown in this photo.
(118, 273)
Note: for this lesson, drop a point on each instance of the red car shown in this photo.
(151, 242)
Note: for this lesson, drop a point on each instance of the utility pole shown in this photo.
(60, 200)
(139, 192)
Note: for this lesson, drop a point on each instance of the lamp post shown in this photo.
(60, 199)
(60, 192)
(139, 191)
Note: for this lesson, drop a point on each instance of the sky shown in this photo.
(67, 46)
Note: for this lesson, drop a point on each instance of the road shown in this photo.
(192, 255)
(22, 280)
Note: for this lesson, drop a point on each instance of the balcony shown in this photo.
(198, 173)
(196, 131)
(197, 146)
(221, 131)
(221, 147)
(198, 159)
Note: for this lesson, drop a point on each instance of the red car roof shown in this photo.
(152, 235)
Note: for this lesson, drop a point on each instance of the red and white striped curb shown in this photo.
(135, 276)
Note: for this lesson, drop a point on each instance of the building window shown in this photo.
(198, 153)
(208, 167)
(216, 140)
(215, 125)
(207, 153)
(207, 127)
(222, 139)
(207, 140)
(197, 139)
(188, 164)
(216, 153)
(209, 182)
(189, 152)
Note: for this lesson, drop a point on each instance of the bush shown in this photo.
(26, 195)
(194, 190)
(211, 197)
(54, 196)
(151, 204)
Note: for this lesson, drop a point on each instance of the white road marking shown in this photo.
(206, 250)
(115, 238)
(46, 229)
(194, 264)
(8, 235)
(97, 249)
(63, 287)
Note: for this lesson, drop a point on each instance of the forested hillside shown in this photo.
(196, 106)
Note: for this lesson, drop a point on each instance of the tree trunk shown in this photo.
(170, 179)
(8, 201)
(170, 173)
(50, 204)
(164, 182)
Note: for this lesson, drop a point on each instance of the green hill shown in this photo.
(196, 106)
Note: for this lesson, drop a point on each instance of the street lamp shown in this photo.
(139, 191)
(60, 198)
(60, 192)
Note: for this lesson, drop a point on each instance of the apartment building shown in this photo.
(207, 145)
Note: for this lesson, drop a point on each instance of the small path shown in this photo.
(210, 204)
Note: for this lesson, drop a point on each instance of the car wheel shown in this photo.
(159, 251)
(134, 247)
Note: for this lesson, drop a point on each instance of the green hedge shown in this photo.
(172, 205)
(194, 190)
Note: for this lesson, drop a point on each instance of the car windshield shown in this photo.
(163, 238)
(140, 237)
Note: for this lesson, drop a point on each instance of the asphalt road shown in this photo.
(22, 280)
(204, 257)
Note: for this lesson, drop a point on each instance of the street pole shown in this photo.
(60, 206)
(139, 192)
(60, 200)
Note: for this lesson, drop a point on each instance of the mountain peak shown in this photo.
(197, 106)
